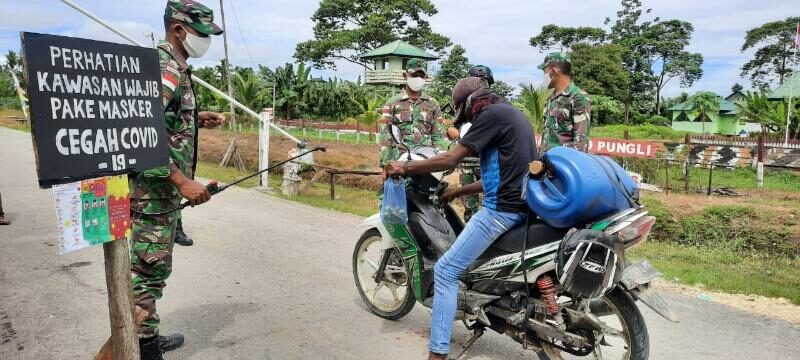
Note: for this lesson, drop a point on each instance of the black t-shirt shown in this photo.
(503, 138)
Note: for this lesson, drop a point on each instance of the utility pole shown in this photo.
(152, 38)
(232, 153)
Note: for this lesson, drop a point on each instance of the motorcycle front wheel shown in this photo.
(390, 298)
(624, 336)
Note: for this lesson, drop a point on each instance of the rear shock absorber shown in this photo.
(548, 290)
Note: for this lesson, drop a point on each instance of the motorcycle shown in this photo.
(393, 269)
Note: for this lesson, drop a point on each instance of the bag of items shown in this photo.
(394, 208)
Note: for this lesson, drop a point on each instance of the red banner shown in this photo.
(618, 147)
(624, 148)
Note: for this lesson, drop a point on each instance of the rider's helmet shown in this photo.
(589, 263)
(482, 71)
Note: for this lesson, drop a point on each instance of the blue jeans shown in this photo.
(481, 231)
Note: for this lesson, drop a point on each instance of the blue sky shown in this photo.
(494, 32)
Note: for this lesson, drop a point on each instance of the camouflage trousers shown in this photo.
(469, 175)
(152, 241)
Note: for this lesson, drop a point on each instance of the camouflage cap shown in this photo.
(414, 65)
(482, 71)
(555, 57)
(194, 14)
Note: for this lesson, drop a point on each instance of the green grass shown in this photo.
(743, 228)
(724, 270)
(639, 132)
(738, 178)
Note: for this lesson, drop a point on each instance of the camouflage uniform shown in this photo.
(152, 191)
(567, 116)
(470, 172)
(419, 122)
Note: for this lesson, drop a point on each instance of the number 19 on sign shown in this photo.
(118, 162)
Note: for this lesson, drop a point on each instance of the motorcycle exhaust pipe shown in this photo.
(538, 327)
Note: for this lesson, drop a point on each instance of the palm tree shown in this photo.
(757, 108)
(371, 110)
(532, 100)
(250, 90)
(703, 103)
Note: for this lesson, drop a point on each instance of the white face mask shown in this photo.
(415, 83)
(196, 46)
(548, 76)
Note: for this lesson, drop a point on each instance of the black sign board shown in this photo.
(96, 107)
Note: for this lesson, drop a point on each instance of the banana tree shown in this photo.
(290, 87)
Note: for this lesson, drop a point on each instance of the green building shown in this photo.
(390, 62)
(725, 122)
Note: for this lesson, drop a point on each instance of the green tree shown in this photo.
(563, 38)
(532, 100)
(343, 29)
(250, 91)
(605, 110)
(736, 88)
(370, 110)
(205, 98)
(453, 68)
(703, 103)
(290, 87)
(774, 56)
(629, 31)
(666, 42)
(503, 89)
(670, 102)
(598, 70)
(757, 108)
(14, 64)
(643, 42)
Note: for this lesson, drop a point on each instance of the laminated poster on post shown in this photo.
(92, 212)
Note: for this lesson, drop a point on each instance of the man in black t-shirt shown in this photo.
(503, 139)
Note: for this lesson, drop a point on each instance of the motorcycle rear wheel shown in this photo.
(625, 318)
(391, 298)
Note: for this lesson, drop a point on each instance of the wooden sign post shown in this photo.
(124, 340)
(96, 111)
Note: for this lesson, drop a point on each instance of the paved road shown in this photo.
(269, 279)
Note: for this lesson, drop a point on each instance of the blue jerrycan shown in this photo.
(577, 187)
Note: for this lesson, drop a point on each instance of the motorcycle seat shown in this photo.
(539, 234)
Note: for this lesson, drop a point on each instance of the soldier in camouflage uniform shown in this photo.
(188, 29)
(569, 109)
(416, 117)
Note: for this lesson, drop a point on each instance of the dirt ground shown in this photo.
(213, 144)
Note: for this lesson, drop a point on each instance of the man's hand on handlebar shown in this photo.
(395, 168)
(449, 194)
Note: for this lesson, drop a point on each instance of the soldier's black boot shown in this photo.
(150, 349)
(180, 237)
(170, 342)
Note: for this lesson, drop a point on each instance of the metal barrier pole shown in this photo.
(710, 174)
(196, 79)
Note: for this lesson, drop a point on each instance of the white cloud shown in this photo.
(494, 32)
